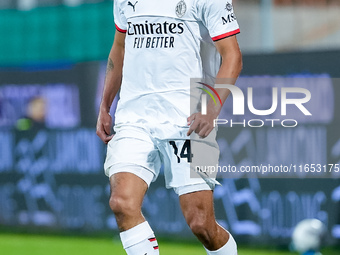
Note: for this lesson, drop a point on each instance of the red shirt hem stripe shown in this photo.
(219, 37)
(120, 30)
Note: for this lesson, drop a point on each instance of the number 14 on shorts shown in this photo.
(185, 150)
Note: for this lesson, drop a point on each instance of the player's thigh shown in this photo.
(132, 150)
(197, 207)
(127, 191)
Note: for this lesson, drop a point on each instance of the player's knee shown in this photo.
(200, 228)
(122, 205)
(115, 204)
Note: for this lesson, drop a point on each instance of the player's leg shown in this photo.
(195, 190)
(198, 210)
(132, 163)
(127, 193)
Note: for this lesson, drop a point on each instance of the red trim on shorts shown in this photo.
(152, 239)
(219, 37)
(155, 248)
(119, 29)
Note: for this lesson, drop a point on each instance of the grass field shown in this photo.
(17, 244)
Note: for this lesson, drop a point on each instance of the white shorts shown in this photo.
(139, 150)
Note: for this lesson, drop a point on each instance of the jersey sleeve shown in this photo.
(119, 18)
(218, 17)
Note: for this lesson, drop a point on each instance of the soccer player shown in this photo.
(158, 46)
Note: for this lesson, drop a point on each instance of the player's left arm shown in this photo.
(229, 71)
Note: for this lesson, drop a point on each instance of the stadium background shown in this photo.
(51, 177)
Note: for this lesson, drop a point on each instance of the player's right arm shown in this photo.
(113, 81)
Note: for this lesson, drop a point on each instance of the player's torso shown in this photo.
(162, 39)
(162, 53)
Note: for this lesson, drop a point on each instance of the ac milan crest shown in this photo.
(181, 8)
(229, 7)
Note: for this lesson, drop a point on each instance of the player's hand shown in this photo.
(104, 125)
(200, 124)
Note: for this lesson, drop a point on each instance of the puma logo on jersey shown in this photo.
(133, 5)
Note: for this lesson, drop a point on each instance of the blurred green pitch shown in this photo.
(20, 244)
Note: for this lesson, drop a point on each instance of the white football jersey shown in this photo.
(167, 43)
